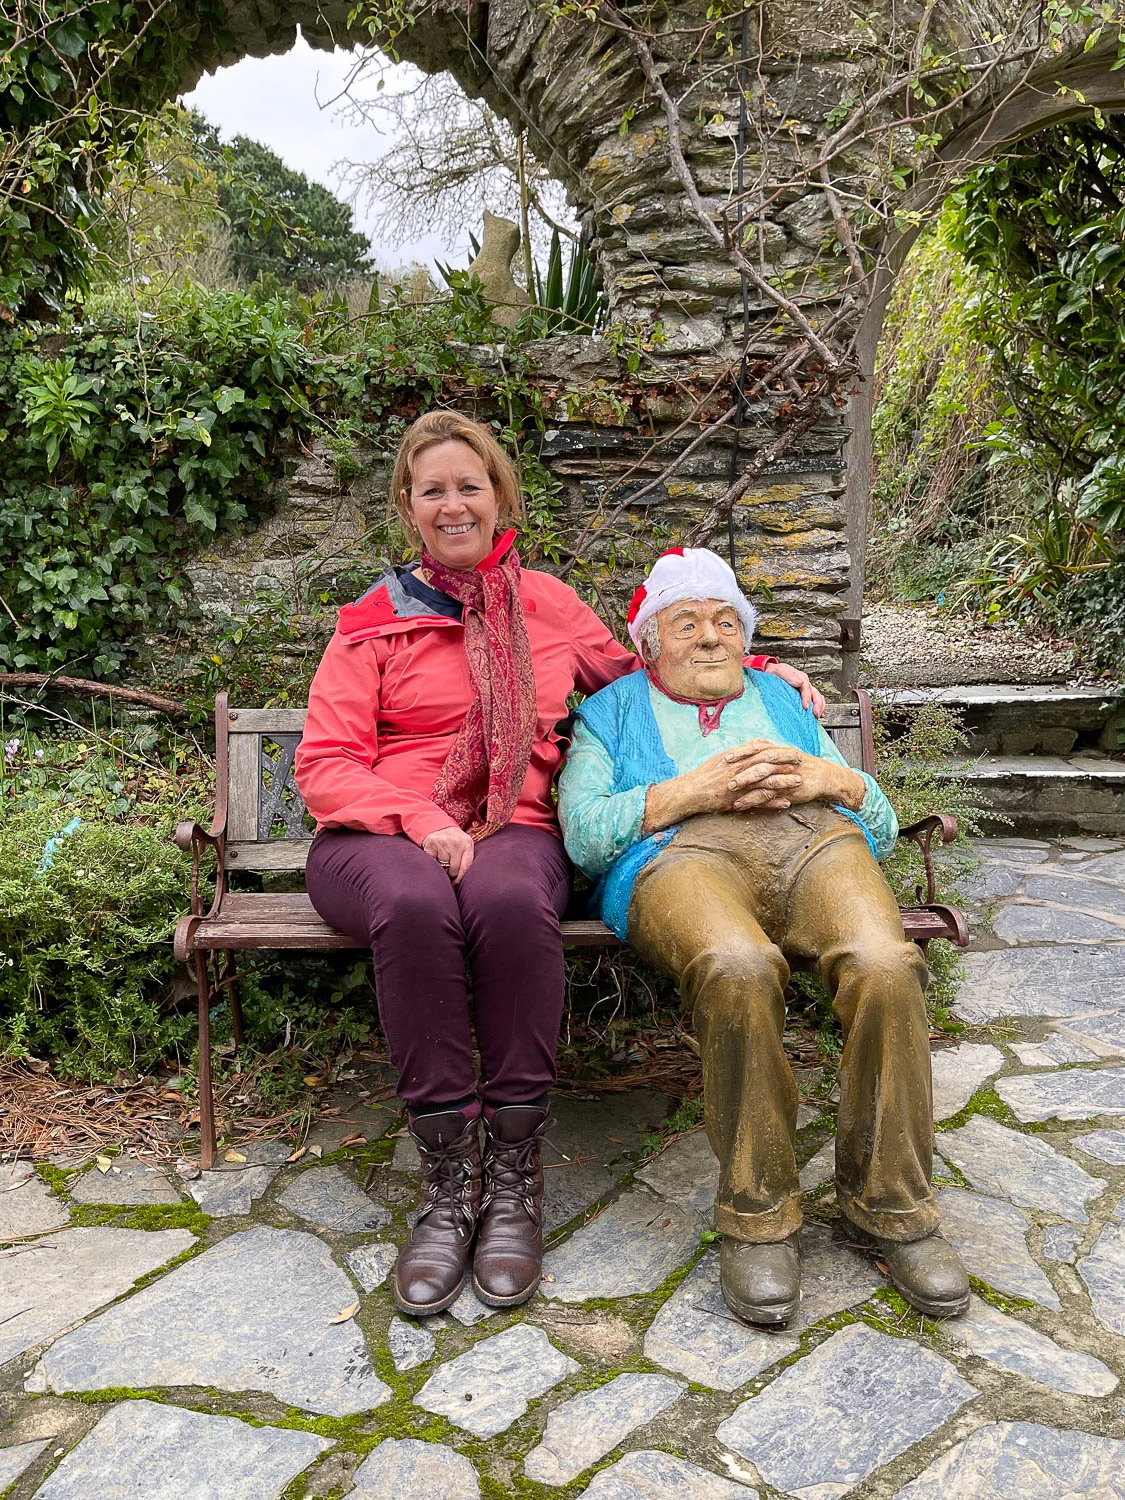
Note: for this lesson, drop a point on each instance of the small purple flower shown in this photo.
(39, 755)
(11, 750)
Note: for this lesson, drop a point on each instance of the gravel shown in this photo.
(917, 646)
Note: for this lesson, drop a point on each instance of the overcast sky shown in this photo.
(284, 102)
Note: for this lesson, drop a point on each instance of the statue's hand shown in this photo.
(766, 777)
(815, 779)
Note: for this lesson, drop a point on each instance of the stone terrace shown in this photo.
(241, 1343)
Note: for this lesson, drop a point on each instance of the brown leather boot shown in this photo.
(431, 1266)
(508, 1259)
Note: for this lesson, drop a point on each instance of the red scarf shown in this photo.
(709, 713)
(480, 782)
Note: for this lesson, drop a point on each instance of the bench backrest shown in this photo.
(268, 826)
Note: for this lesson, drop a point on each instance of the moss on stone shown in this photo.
(986, 1101)
(148, 1216)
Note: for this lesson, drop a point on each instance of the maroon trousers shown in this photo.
(502, 921)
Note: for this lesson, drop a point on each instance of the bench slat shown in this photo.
(245, 786)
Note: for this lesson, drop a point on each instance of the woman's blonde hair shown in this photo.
(442, 427)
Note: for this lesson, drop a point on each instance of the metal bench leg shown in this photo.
(207, 1143)
(228, 980)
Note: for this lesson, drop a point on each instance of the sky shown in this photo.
(286, 103)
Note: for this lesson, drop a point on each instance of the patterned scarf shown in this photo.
(480, 782)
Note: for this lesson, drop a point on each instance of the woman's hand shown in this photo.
(802, 682)
(452, 848)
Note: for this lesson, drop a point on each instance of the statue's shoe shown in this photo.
(761, 1283)
(928, 1272)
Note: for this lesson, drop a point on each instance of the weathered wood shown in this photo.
(269, 854)
(266, 720)
(245, 788)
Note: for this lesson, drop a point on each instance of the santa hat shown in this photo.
(688, 573)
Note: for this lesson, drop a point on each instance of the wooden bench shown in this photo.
(261, 824)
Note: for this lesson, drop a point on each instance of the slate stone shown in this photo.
(992, 882)
(370, 1264)
(1048, 924)
(697, 1335)
(1020, 851)
(1022, 1168)
(1076, 1094)
(652, 1475)
(850, 1406)
(819, 1168)
(1012, 1345)
(405, 1157)
(1052, 1051)
(582, 1430)
(468, 1309)
(325, 1196)
(1104, 1145)
(686, 1174)
(488, 1388)
(1073, 890)
(141, 1450)
(27, 1205)
(1103, 1271)
(230, 1189)
(13, 1461)
(128, 1182)
(1024, 1461)
(959, 1071)
(49, 1285)
(590, 1142)
(990, 1237)
(409, 1344)
(253, 1313)
(1107, 867)
(1060, 1242)
(1106, 1032)
(593, 1262)
(1049, 981)
(407, 1468)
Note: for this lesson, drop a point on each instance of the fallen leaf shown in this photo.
(353, 1140)
(879, 1266)
(36, 1064)
(548, 1277)
(103, 1164)
(316, 1150)
(234, 1156)
(296, 1155)
(348, 1312)
(314, 1081)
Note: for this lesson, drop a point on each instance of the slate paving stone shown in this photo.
(327, 1197)
(1052, 1051)
(128, 1182)
(1024, 1461)
(50, 1284)
(819, 1168)
(228, 1191)
(1049, 924)
(1106, 1032)
(992, 882)
(1107, 867)
(1048, 981)
(1073, 890)
(853, 1404)
(686, 1173)
(409, 1344)
(253, 1313)
(371, 1264)
(488, 1388)
(468, 1309)
(1104, 1145)
(959, 1071)
(1103, 1271)
(591, 1263)
(407, 1469)
(1074, 1094)
(990, 1237)
(405, 1157)
(1060, 1242)
(27, 1205)
(652, 1475)
(141, 1450)
(13, 1461)
(1019, 851)
(582, 1430)
(1012, 1345)
(1021, 1168)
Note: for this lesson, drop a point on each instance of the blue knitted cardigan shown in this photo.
(622, 718)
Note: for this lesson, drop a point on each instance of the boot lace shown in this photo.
(446, 1177)
(510, 1169)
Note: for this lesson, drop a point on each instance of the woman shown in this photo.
(428, 758)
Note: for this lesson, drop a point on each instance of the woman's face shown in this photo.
(453, 503)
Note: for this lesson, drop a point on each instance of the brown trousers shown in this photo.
(719, 908)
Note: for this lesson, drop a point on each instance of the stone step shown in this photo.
(1018, 719)
(1049, 792)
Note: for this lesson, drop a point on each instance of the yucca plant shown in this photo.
(570, 301)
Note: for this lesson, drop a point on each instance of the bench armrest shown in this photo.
(193, 839)
(922, 833)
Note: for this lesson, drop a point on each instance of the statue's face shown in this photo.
(701, 650)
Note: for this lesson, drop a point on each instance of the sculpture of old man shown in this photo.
(728, 835)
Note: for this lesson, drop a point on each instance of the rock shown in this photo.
(1073, 890)
(228, 1190)
(326, 1197)
(128, 1181)
(992, 882)
(652, 1475)
(1103, 1271)
(1056, 981)
(143, 1449)
(1012, 1345)
(1107, 867)
(686, 1173)
(371, 1263)
(188, 1171)
(850, 1406)
(27, 1205)
(409, 1344)
(591, 1263)
(595, 1137)
(468, 1308)
(1022, 1168)
(1049, 924)
(819, 1168)
(13, 1461)
(1017, 1460)
(52, 1284)
(1105, 1034)
(488, 1388)
(1105, 1145)
(959, 1071)
(1052, 1051)
(990, 1237)
(1060, 1242)
(582, 1430)
(406, 1468)
(405, 1157)
(254, 1313)
(1076, 1094)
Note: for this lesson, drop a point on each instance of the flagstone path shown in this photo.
(233, 1336)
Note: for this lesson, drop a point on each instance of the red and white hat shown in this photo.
(688, 573)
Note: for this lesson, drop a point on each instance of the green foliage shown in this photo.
(567, 301)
